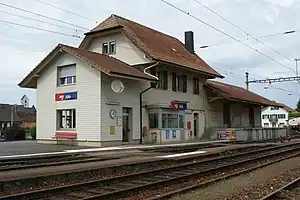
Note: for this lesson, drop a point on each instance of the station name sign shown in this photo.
(65, 96)
(179, 106)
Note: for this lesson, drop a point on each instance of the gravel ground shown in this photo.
(249, 186)
(290, 195)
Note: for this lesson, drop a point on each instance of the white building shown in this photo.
(275, 117)
(75, 97)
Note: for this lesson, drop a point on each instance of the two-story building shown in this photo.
(126, 83)
(275, 117)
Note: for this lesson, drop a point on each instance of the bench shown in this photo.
(65, 135)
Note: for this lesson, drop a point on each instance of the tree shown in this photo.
(298, 105)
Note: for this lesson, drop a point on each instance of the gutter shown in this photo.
(141, 100)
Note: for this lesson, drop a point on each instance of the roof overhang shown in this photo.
(222, 96)
(192, 70)
(30, 81)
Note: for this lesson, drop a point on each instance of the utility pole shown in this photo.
(247, 80)
(296, 60)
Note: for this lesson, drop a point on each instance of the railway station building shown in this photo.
(127, 84)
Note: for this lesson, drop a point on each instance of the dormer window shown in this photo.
(105, 48)
(109, 48)
(112, 47)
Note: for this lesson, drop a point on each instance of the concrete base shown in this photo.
(87, 143)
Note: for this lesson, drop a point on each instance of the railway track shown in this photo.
(20, 164)
(283, 192)
(126, 185)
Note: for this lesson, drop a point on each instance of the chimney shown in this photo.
(189, 41)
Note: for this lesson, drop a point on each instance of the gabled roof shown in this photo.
(154, 44)
(235, 93)
(104, 63)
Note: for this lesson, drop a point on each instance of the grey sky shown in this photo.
(22, 49)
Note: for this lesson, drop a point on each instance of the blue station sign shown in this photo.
(65, 96)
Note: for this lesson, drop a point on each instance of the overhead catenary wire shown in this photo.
(40, 15)
(248, 34)
(246, 39)
(41, 21)
(41, 29)
(219, 30)
(67, 11)
(238, 76)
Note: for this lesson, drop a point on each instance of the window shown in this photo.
(265, 116)
(8, 125)
(153, 120)
(109, 48)
(274, 116)
(281, 125)
(196, 89)
(169, 120)
(182, 83)
(281, 116)
(266, 125)
(181, 121)
(174, 83)
(67, 75)
(163, 80)
(274, 108)
(105, 48)
(66, 119)
(112, 47)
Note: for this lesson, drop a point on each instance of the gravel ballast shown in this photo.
(250, 186)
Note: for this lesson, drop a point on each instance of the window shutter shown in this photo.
(174, 81)
(66, 71)
(184, 79)
(165, 80)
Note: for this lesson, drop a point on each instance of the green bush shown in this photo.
(14, 133)
(32, 131)
(294, 115)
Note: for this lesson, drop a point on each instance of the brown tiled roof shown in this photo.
(155, 44)
(236, 93)
(287, 108)
(107, 64)
(21, 113)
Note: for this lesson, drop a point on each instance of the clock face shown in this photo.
(112, 113)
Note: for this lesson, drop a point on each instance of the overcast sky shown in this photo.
(21, 49)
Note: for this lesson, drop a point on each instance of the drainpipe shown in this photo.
(141, 100)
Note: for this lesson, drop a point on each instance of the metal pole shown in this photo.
(247, 80)
(297, 67)
(12, 115)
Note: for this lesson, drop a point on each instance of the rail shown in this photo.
(125, 185)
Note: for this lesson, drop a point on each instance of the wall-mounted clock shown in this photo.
(112, 113)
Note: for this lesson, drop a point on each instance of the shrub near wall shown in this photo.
(14, 133)
(32, 131)
(294, 115)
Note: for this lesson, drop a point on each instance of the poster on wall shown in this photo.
(119, 121)
(174, 134)
(112, 130)
(167, 134)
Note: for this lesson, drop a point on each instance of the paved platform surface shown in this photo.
(32, 148)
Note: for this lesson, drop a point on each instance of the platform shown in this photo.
(32, 148)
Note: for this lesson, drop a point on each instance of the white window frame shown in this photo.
(176, 119)
(112, 47)
(66, 119)
(66, 80)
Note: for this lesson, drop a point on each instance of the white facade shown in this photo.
(274, 117)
